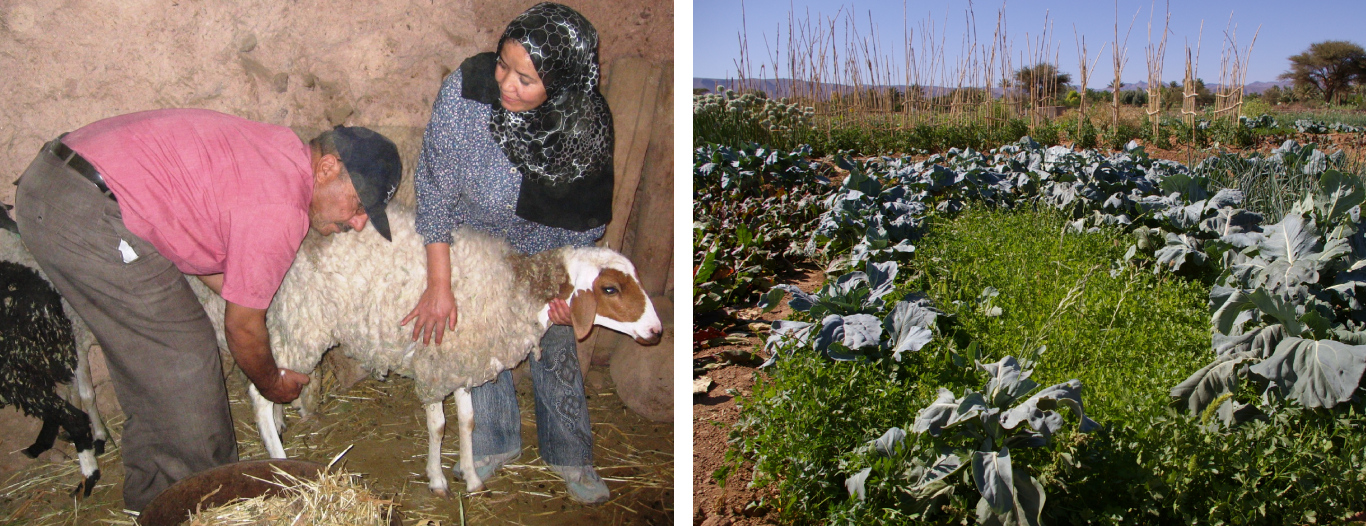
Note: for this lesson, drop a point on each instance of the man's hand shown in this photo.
(559, 312)
(249, 342)
(288, 384)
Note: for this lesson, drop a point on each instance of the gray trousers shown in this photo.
(562, 427)
(158, 342)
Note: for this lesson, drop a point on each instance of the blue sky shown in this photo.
(1287, 27)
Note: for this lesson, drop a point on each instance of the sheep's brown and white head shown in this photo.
(607, 292)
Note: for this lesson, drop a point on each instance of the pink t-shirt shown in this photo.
(214, 193)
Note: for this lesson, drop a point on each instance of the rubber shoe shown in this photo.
(486, 466)
(584, 484)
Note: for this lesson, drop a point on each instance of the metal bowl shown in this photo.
(217, 486)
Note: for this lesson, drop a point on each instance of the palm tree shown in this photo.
(1041, 81)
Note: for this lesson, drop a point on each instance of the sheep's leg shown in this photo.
(77, 426)
(46, 437)
(464, 411)
(266, 423)
(279, 415)
(85, 384)
(85, 390)
(90, 471)
(308, 398)
(436, 430)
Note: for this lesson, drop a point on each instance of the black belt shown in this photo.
(80, 165)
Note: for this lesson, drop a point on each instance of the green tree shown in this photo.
(1172, 95)
(1042, 80)
(1274, 95)
(1203, 96)
(1328, 68)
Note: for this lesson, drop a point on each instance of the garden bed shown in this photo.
(836, 429)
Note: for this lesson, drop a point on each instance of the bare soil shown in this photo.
(384, 425)
(1354, 145)
(715, 413)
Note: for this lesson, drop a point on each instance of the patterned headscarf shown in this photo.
(569, 135)
(562, 148)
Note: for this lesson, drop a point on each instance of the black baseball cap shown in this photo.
(372, 159)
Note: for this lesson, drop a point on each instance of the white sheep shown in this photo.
(38, 355)
(352, 290)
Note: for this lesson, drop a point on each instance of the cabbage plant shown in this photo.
(870, 221)
(1286, 318)
(851, 321)
(752, 207)
(979, 429)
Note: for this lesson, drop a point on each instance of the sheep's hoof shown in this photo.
(34, 450)
(474, 488)
(442, 492)
(99, 447)
(87, 485)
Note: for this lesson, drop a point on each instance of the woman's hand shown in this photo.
(435, 311)
(559, 312)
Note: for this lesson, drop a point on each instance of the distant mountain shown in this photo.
(1251, 87)
(782, 87)
(1258, 87)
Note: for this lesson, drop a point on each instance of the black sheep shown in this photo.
(37, 352)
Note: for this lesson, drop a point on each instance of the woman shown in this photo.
(520, 145)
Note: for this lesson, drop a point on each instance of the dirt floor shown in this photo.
(385, 423)
(732, 371)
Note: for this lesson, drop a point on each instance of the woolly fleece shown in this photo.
(12, 249)
(352, 289)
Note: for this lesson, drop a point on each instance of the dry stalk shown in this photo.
(839, 67)
(1155, 56)
(1232, 73)
(334, 498)
(1188, 95)
(1121, 57)
(1085, 73)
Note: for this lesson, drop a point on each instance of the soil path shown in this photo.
(1353, 145)
(715, 412)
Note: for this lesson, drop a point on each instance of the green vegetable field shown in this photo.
(1044, 335)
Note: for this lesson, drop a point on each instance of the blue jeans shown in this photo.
(561, 410)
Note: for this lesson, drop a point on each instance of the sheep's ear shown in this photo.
(583, 306)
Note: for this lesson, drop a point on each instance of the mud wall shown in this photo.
(306, 64)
